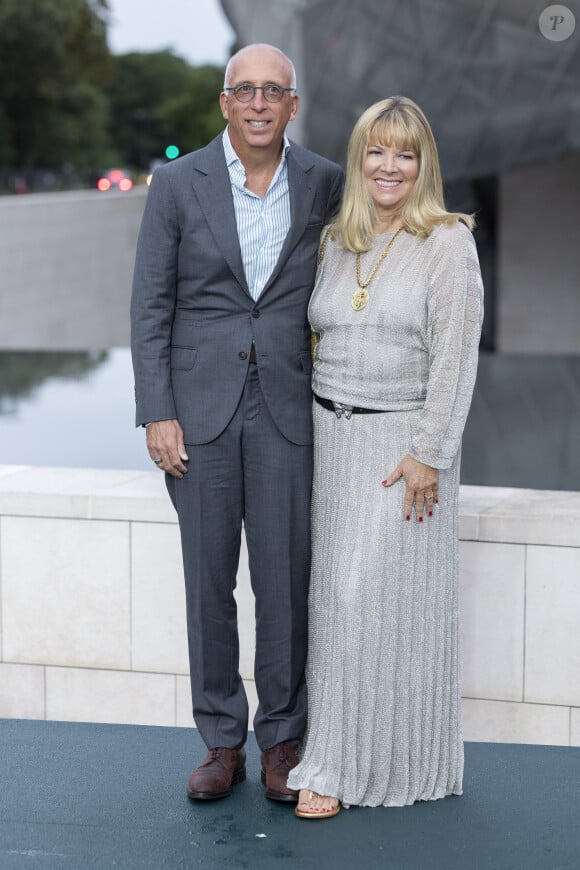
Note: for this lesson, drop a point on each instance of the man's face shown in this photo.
(258, 124)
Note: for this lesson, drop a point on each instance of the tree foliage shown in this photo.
(141, 85)
(65, 101)
(157, 99)
(54, 65)
(195, 115)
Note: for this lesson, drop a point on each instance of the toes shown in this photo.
(310, 802)
(326, 804)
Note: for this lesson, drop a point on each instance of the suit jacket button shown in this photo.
(255, 313)
(243, 355)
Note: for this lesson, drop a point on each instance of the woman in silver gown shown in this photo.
(398, 308)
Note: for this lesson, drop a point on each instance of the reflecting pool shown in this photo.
(69, 409)
(524, 424)
(76, 410)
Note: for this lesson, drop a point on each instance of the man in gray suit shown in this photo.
(225, 266)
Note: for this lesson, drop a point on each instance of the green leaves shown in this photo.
(48, 50)
(65, 101)
(157, 99)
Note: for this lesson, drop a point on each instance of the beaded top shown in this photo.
(415, 344)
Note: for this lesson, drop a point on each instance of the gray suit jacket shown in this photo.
(193, 319)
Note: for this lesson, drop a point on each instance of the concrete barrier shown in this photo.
(93, 607)
(66, 263)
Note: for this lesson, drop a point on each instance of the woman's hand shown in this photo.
(422, 486)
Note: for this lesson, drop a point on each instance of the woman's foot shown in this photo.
(312, 805)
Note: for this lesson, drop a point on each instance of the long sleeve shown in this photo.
(153, 303)
(455, 313)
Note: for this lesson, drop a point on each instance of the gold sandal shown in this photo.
(323, 814)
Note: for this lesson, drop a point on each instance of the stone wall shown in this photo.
(66, 265)
(538, 266)
(93, 611)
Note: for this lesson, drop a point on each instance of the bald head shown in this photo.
(261, 52)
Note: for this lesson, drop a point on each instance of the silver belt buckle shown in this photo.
(340, 409)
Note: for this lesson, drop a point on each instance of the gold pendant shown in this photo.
(360, 299)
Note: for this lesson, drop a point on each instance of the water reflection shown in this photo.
(69, 409)
(76, 409)
(523, 429)
(21, 373)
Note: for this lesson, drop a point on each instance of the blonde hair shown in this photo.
(396, 122)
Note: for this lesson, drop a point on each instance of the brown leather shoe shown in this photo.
(277, 763)
(218, 772)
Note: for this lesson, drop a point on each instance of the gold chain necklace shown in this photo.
(361, 296)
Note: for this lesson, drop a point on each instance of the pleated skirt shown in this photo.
(384, 723)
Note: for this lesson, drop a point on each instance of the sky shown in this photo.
(195, 29)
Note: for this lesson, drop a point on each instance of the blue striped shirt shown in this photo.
(262, 224)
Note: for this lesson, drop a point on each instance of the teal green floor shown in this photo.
(113, 796)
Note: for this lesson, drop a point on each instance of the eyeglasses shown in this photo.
(246, 93)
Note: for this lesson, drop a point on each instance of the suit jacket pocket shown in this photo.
(183, 358)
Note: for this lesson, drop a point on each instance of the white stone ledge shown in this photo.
(84, 493)
(92, 605)
(468, 697)
(519, 516)
(506, 722)
(494, 514)
(575, 727)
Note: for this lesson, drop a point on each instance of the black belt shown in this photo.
(340, 408)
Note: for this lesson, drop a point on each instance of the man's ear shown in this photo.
(295, 105)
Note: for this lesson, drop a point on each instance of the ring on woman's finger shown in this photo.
(157, 461)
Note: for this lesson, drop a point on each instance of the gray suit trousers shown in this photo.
(250, 474)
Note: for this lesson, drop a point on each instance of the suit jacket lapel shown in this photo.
(301, 198)
(212, 187)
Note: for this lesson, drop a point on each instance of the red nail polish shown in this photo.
(408, 517)
(420, 519)
(385, 482)
(436, 501)
(430, 513)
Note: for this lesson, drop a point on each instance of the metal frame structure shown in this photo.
(496, 91)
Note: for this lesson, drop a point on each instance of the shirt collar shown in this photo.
(232, 157)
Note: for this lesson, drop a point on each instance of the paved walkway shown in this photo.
(81, 796)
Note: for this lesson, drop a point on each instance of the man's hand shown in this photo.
(165, 443)
(422, 486)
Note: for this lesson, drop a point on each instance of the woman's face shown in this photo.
(390, 174)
